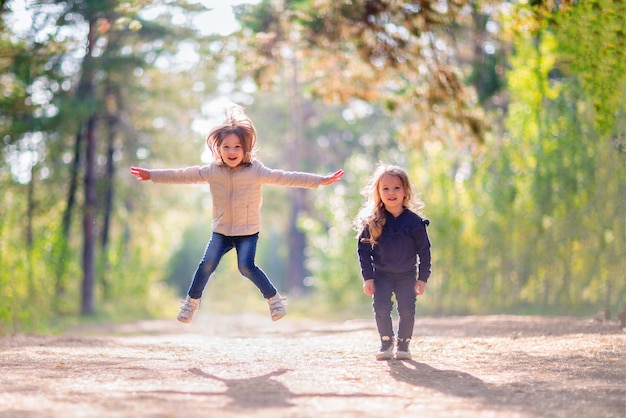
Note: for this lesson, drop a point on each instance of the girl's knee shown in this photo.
(246, 270)
(406, 312)
(207, 268)
(383, 309)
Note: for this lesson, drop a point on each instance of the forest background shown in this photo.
(508, 115)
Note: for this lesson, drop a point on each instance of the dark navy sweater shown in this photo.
(403, 247)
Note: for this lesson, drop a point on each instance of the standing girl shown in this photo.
(235, 178)
(394, 253)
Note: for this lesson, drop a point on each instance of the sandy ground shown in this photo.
(247, 366)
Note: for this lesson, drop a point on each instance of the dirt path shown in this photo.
(247, 366)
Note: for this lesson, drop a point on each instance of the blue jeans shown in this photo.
(403, 286)
(246, 250)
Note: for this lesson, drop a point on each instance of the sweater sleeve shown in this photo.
(364, 250)
(289, 178)
(188, 175)
(422, 243)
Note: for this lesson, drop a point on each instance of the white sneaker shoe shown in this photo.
(386, 349)
(188, 310)
(403, 352)
(277, 307)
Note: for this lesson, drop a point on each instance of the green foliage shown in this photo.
(534, 222)
(391, 52)
(593, 43)
(184, 260)
(42, 167)
(537, 211)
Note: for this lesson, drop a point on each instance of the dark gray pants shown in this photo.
(403, 286)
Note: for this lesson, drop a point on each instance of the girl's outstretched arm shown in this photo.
(332, 178)
(141, 173)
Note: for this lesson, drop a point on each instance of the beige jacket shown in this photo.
(236, 192)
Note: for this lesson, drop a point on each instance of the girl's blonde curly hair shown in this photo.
(372, 213)
(237, 123)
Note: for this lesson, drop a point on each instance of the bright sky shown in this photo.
(219, 20)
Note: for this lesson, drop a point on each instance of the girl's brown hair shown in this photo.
(372, 213)
(237, 123)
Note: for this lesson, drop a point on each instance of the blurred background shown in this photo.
(508, 115)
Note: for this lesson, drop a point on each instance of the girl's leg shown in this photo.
(246, 251)
(382, 307)
(215, 250)
(405, 296)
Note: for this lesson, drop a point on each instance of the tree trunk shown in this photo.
(89, 219)
(109, 190)
(296, 270)
(64, 238)
(89, 210)
(297, 245)
(30, 213)
(109, 184)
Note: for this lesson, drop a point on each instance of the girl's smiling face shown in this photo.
(392, 193)
(231, 150)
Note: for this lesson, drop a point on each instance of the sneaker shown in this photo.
(403, 352)
(386, 349)
(188, 310)
(277, 307)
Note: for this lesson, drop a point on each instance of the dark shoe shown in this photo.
(403, 352)
(386, 349)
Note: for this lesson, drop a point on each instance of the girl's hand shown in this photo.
(420, 287)
(333, 177)
(141, 173)
(368, 287)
